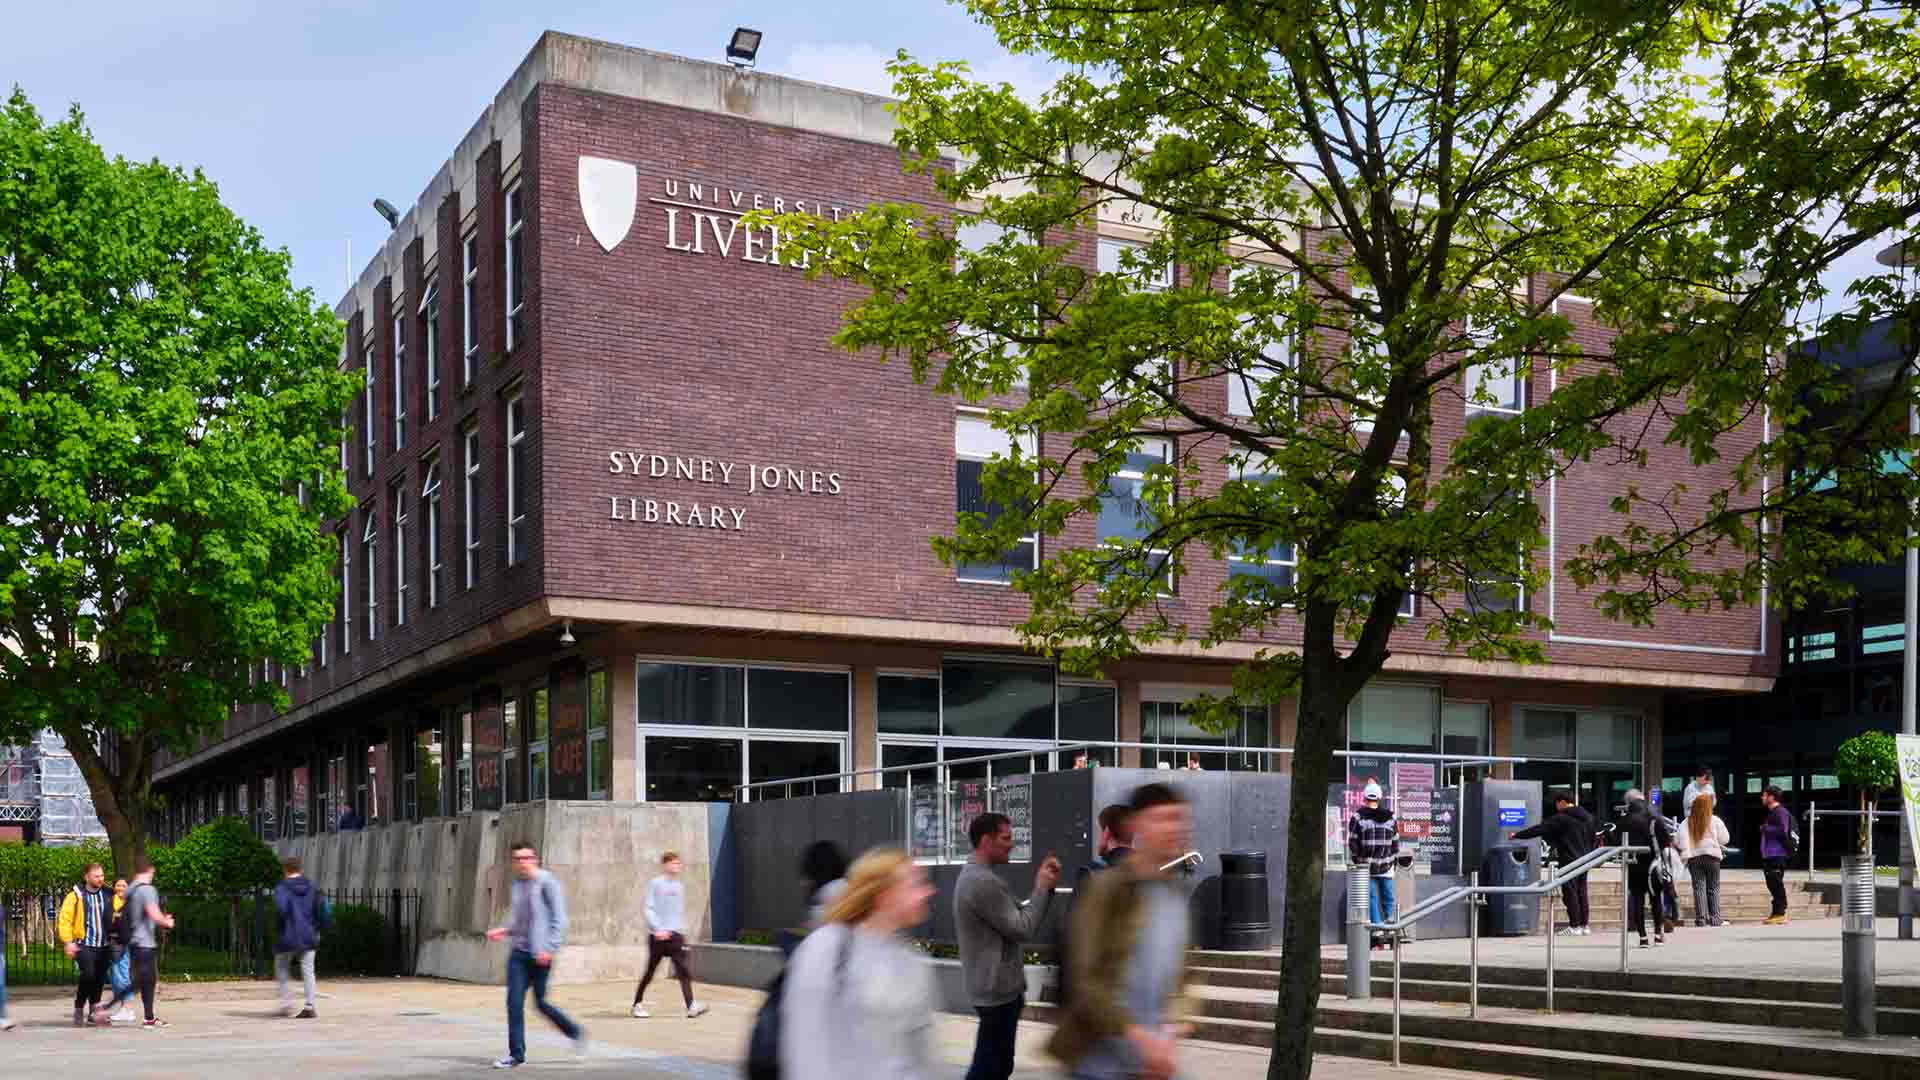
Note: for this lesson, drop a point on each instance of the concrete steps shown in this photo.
(1606, 1026)
(1742, 900)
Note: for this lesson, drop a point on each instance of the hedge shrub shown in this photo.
(356, 943)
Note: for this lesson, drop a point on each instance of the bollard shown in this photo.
(1359, 951)
(1856, 947)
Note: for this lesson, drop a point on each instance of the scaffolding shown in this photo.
(40, 782)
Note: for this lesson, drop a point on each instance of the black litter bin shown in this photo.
(1509, 913)
(1246, 924)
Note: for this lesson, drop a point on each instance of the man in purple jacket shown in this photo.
(1775, 847)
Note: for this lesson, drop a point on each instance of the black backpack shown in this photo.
(763, 1044)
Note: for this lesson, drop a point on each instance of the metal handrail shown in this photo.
(1474, 892)
(1813, 819)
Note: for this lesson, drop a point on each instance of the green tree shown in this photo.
(1371, 215)
(169, 420)
(1869, 762)
(220, 858)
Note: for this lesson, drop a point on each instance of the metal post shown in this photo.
(1813, 834)
(1473, 951)
(1550, 936)
(1396, 1000)
(1909, 698)
(1359, 953)
(1626, 896)
(1856, 946)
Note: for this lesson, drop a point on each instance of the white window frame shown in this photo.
(1364, 425)
(463, 764)
(370, 550)
(430, 495)
(977, 235)
(516, 495)
(1108, 260)
(1519, 600)
(1479, 375)
(470, 440)
(1125, 473)
(1276, 359)
(537, 748)
(601, 737)
(515, 216)
(746, 732)
(372, 392)
(430, 344)
(1409, 603)
(1240, 472)
(965, 419)
(346, 590)
(399, 384)
(469, 325)
(400, 521)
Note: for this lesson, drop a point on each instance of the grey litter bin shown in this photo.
(1246, 923)
(1506, 865)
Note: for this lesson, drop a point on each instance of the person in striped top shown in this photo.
(86, 916)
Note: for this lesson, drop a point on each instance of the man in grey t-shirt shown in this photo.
(992, 927)
(144, 917)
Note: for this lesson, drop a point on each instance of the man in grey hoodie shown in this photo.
(992, 927)
(537, 925)
(667, 918)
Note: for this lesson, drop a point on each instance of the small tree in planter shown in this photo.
(1867, 762)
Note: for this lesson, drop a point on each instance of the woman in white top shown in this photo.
(1705, 839)
(858, 998)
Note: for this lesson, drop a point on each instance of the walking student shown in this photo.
(1373, 842)
(303, 918)
(1706, 839)
(1643, 828)
(144, 918)
(120, 966)
(667, 916)
(993, 928)
(1129, 954)
(1776, 846)
(858, 999)
(536, 928)
(1570, 833)
(85, 916)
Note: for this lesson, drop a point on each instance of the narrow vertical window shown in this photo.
(430, 349)
(399, 386)
(430, 497)
(469, 324)
(537, 746)
(373, 390)
(516, 286)
(516, 478)
(400, 521)
(599, 762)
(468, 499)
(346, 592)
(370, 568)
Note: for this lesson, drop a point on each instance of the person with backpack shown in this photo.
(86, 915)
(1110, 850)
(144, 919)
(1641, 827)
(1778, 839)
(1570, 833)
(857, 997)
(536, 928)
(1129, 957)
(304, 916)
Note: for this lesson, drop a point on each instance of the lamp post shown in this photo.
(1899, 255)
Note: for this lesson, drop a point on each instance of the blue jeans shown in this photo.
(522, 972)
(993, 1044)
(3, 980)
(1380, 898)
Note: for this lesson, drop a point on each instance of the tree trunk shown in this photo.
(1322, 709)
(119, 793)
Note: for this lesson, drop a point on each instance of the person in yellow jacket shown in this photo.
(84, 926)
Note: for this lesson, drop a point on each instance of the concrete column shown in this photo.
(1500, 711)
(1285, 718)
(866, 724)
(1129, 721)
(623, 736)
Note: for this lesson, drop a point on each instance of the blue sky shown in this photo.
(303, 112)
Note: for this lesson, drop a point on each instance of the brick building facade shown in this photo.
(638, 531)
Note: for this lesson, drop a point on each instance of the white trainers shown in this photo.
(124, 1016)
(1571, 931)
(6, 1024)
(696, 1010)
(640, 1012)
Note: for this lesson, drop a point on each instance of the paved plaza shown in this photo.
(429, 1028)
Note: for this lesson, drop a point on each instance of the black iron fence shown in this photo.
(373, 932)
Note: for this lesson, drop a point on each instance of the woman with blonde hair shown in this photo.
(1705, 841)
(858, 998)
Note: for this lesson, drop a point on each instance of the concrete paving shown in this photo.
(1803, 949)
(429, 1028)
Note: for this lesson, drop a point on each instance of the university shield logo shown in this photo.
(609, 193)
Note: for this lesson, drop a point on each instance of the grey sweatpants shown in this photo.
(281, 961)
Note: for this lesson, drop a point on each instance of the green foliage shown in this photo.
(356, 943)
(1869, 761)
(1366, 208)
(170, 411)
(220, 858)
(32, 868)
